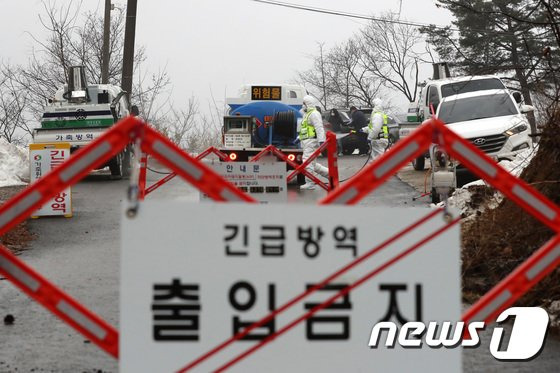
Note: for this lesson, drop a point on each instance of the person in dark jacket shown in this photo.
(356, 138)
(358, 119)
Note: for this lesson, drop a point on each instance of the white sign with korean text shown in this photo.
(75, 136)
(42, 159)
(206, 271)
(264, 181)
(237, 140)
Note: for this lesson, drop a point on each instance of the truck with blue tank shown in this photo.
(263, 115)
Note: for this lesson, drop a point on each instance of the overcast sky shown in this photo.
(218, 45)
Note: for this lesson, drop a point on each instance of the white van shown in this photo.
(437, 90)
(434, 92)
(491, 120)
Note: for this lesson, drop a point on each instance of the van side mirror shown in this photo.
(517, 96)
(526, 109)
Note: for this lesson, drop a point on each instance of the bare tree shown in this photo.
(352, 82)
(388, 50)
(14, 126)
(338, 77)
(153, 93)
(70, 39)
(210, 126)
(183, 123)
(202, 136)
(73, 38)
(383, 54)
(187, 127)
(317, 76)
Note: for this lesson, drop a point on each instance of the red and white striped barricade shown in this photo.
(171, 175)
(114, 140)
(330, 146)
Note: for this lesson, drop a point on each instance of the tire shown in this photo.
(347, 151)
(115, 165)
(435, 196)
(126, 162)
(419, 163)
(390, 142)
(464, 177)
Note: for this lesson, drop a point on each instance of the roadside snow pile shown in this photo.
(520, 162)
(473, 198)
(14, 164)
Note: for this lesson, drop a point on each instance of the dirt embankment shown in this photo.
(17, 239)
(499, 239)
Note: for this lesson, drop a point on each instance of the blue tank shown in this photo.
(282, 133)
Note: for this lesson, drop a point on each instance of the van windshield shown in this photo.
(470, 86)
(487, 106)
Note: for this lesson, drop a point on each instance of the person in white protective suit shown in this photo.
(312, 135)
(378, 131)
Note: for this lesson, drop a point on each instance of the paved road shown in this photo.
(81, 255)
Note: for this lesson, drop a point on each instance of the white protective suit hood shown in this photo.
(308, 102)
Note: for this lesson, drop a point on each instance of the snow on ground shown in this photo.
(14, 164)
(461, 197)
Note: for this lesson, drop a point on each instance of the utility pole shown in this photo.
(128, 70)
(106, 31)
(128, 52)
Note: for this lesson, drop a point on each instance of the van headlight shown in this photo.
(516, 130)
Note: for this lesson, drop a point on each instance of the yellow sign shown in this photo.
(266, 93)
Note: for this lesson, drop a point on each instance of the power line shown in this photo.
(377, 19)
(344, 14)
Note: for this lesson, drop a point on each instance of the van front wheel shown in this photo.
(115, 165)
(419, 163)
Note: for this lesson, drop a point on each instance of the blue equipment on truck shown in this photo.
(264, 115)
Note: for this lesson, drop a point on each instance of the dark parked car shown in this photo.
(337, 120)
